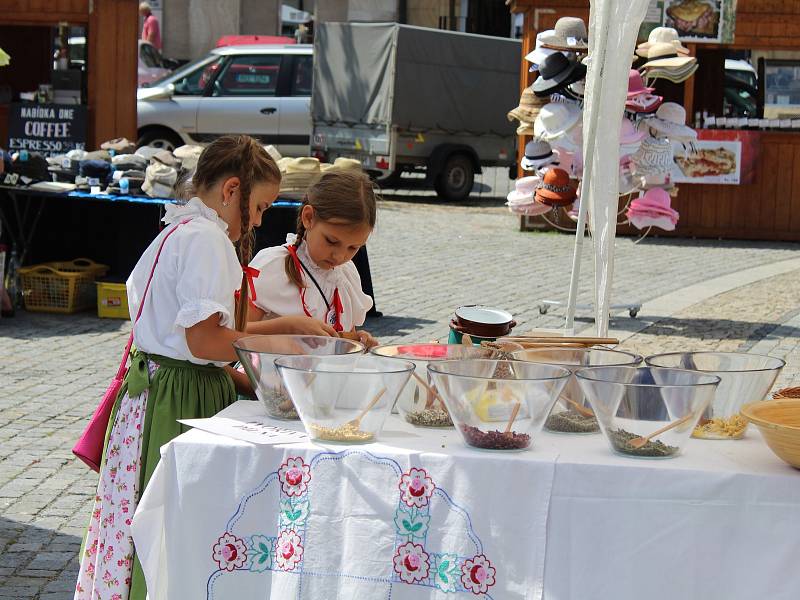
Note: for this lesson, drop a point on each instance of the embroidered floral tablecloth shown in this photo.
(417, 516)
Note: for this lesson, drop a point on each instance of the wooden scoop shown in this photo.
(432, 393)
(639, 442)
(356, 423)
(578, 407)
(514, 413)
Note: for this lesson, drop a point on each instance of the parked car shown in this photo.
(260, 90)
(152, 66)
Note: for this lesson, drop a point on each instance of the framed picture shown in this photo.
(781, 81)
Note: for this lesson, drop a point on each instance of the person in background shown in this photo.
(151, 32)
(313, 273)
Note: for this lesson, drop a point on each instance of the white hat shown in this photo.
(556, 119)
(653, 157)
(538, 153)
(670, 120)
(666, 56)
(662, 35)
(538, 55)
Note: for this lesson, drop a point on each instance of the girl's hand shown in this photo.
(365, 337)
(303, 325)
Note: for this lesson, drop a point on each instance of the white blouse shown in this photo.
(197, 276)
(277, 294)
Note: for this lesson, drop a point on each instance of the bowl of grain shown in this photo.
(343, 399)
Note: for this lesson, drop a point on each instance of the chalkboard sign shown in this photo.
(50, 129)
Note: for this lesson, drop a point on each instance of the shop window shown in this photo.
(301, 79)
(782, 89)
(196, 80)
(255, 75)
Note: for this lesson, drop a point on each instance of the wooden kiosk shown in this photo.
(768, 206)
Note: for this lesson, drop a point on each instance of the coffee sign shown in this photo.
(50, 129)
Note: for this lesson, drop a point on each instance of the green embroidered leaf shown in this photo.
(263, 558)
(416, 527)
(443, 566)
(293, 515)
(407, 525)
(264, 548)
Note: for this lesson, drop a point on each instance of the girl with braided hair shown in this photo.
(313, 273)
(185, 282)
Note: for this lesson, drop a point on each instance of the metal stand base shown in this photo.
(633, 308)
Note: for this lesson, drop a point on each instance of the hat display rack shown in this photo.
(652, 131)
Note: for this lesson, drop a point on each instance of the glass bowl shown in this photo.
(257, 354)
(419, 402)
(498, 404)
(572, 413)
(634, 403)
(343, 399)
(744, 378)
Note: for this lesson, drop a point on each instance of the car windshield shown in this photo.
(184, 70)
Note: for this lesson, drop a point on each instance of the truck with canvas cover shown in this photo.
(401, 98)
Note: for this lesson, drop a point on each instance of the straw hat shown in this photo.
(556, 188)
(556, 119)
(300, 173)
(653, 157)
(569, 34)
(665, 56)
(346, 164)
(284, 162)
(529, 106)
(273, 152)
(525, 128)
(662, 35)
(673, 75)
(670, 120)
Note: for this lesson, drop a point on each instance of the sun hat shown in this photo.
(537, 154)
(539, 53)
(673, 75)
(524, 189)
(655, 200)
(670, 120)
(529, 106)
(300, 174)
(346, 164)
(665, 55)
(643, 103)
(662, 35)
(571, 141)
(556, 189)
(273, 152)
(555, 119)
(525, 128)
(629, 135)
(636, 86)
(568, 34)
(556, 72)
(653, 157)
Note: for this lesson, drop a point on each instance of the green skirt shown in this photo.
(177, 390)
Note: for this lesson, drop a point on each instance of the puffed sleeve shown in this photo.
(207, 279)
(274, 292)
(355, 302)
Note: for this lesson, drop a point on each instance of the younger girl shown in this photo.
(313, 273)
(182, 342)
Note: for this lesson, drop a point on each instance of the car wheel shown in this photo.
(160, 138)
(454, 182)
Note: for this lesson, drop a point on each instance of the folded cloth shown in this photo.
(34, 167)
(147, 151)
(96, 169)
(77, 155)
(124, 162)
(119, 146)
(159, 180)
(98, 155)
(188, 154)
(165, 157)
(63, 175)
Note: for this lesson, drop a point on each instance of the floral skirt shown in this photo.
(157, 392)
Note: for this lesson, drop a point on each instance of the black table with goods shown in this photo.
(44, 226)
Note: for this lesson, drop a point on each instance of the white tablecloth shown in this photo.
(421, 516)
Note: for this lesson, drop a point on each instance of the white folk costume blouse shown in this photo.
(197, 276)
(338, 299)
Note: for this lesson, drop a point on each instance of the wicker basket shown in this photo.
(779, 423)
(61, 287)
(787, 393)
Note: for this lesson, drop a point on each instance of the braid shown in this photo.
(291, 270)
(246, 239)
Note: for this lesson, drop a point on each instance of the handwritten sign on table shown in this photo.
(253, 429)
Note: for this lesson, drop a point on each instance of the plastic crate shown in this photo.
(112, 300)
(61, 287)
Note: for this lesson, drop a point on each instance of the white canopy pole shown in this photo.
(613, 28)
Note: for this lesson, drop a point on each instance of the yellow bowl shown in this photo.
(779, 423)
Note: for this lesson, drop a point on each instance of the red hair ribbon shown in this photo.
(251, 273)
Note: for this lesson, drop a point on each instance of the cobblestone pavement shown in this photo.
(426, 258)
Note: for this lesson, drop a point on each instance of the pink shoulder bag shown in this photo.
(89, 447)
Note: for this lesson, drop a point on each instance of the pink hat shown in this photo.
(636, 85)
(628, 135)
(643, 103)
(654, 201)
(645, 221)
(524, 190)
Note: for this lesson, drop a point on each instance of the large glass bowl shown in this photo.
(419, 402)
(498, 404)
(572, 413)
(343, 399)
(258, 353)
(634, 403)
(744, 378)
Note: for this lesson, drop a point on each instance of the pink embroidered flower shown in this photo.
(416, 488)
(477, 574)
(230, 553)
(288, 550)
(411, 562)
(294, 476)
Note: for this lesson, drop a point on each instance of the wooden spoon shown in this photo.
(514, 413)
(356, 423)
(431, 391)
(639, 442)
(586, 412)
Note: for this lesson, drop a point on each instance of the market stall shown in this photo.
(745, 115)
